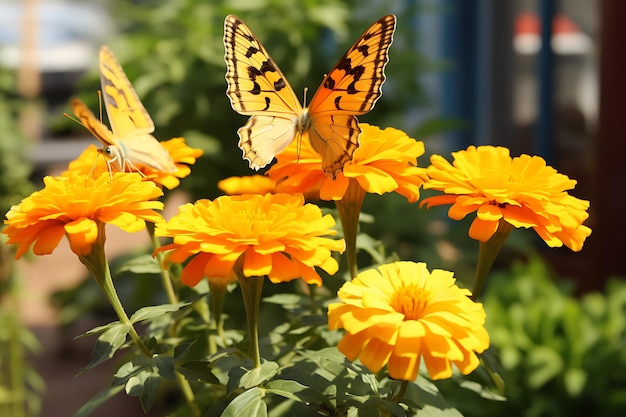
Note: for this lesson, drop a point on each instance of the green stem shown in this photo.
(400, 395)
(98, 265)
(166, 279)
(349, 208)
(487, 254)
(16, 363)
(217, 295)
(172, 297)
(251, 288)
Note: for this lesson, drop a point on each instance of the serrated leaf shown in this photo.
(143, 264)
(151, 312)
(198, 371)
(257, 376)
(97, 400)
(107, 344)
(250, 403)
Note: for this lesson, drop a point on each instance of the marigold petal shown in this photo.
(194, 271)
(334, 190)
(375, 354)
(278, 235)
(489, 213)
(528, 193)
(438, 368)
(256, 264)
(81, 233)
(48, 240)
(352, 344)
(385, 161)
(400, 312)
(482, 230)
(404, 368)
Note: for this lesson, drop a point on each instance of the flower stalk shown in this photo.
(349, 209)
(487, 253)
(97, 264)
(251, 289)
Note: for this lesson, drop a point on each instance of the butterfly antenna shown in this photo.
(72, 118)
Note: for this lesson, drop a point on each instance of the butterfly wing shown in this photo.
(351, 88)
(91, 123)
(132, 126)
(257, 88)
(126, 112)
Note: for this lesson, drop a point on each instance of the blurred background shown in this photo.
(538, 76)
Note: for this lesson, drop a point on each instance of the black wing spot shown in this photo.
(329, 82)
(364, 50)
(268, 66)
(338, 103)
(251, 51)
(356, 72)
(280, 84)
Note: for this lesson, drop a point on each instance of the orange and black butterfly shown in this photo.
(257, 88)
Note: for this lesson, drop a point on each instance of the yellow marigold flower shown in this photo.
(90, 162)
(253, 184)
(274, 234)
(385, 161)
(399, 313)
(77, 207)
(522, 191)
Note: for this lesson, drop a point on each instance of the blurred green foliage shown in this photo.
(559, 355)
(14, 147)
(20, 385)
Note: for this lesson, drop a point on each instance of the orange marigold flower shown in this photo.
(274, 234)
(75, 206)
(385, 161)
(253, 184)
(522, 191)
(399, 313)
(90, 162)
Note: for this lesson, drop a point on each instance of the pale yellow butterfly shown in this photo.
(257, 88)
(130, 145)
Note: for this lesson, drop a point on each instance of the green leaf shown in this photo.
(164, 365)
(198, 371)
(297, 392)
(284, 299)
(250, 403)
(142, 264)
(257, 376)
(144, 385)
(98, 329)
(181, 350)
(151, 312)
(107, 344)
(97, 400)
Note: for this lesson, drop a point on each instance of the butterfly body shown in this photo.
(257, 88)
(129, 144)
